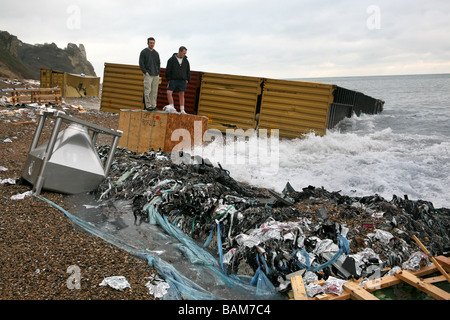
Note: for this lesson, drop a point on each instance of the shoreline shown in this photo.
(40, 244)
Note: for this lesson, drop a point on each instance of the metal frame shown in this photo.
(61, 117)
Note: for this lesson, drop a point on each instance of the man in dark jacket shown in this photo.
(150, 65)
(178, 74)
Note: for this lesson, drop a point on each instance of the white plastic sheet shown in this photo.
(158, 289)
(116, 282)
(334, 285)
(8, 181)
(415, 261)
(270, 230)
(21, 196)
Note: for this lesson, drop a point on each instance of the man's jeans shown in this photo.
(150, 91)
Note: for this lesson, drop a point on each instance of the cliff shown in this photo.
(23, 60)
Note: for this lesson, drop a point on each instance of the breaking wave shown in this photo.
(354, 158)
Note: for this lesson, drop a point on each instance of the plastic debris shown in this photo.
(157, 287)
(116, 282)
(9, 181)
(22, 196)
(313, 289)
(266, 236)
(334, 286)
(416, 261)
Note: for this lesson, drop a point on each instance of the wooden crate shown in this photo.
(144, 130)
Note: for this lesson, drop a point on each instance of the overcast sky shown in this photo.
(264, 38)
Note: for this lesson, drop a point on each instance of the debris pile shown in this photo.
(313, 232)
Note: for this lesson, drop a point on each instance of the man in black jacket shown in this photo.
(178, 74)
(150, 65)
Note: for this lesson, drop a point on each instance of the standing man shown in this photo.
(178, 74)
(150, 65)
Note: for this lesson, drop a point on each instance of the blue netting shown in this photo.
(180, 286)
(343, 248)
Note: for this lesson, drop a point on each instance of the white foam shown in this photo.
(360, 163)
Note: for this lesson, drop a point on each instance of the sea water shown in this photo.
(405, 150)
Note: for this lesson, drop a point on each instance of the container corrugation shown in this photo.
(342, 106)
(337, 113)
(123, 88)
(190, 95)
(229, 101)
(344, 96)
(366, 104)
(295, 107)
(52, 79)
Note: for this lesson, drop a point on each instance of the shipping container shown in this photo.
(190, 95)
(72, 85)
(123, 88)
(242, 102)
(229, 101)
(295, 107)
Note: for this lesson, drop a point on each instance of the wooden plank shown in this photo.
(298, 287)
(388, 281)
(381, 283)
(24, 122)
(159, 133)
(153, 131)
(441, 270)
(124, 124)
(435, 279)
(357, 292)
(134, 130)
(323, 297)
(444, 262)
(193, 127)
(147, 125)
(428, 288)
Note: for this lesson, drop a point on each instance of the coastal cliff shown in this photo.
(23, 60)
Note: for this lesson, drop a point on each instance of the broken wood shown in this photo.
(428, 288)
(298, 287)
(357, 292)
(444, 262)
(435, 279)
(24, 122)
(388, 281)
(431, 258)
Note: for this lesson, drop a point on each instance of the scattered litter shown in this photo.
(158, 288)
(313, 289)
(334, 286)
(4, 100)
(89, 206)
(22, 195)
(7, 140)
(268, 236)
(116, 282)
(8, 181)
(2, 169)
(416, 261)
